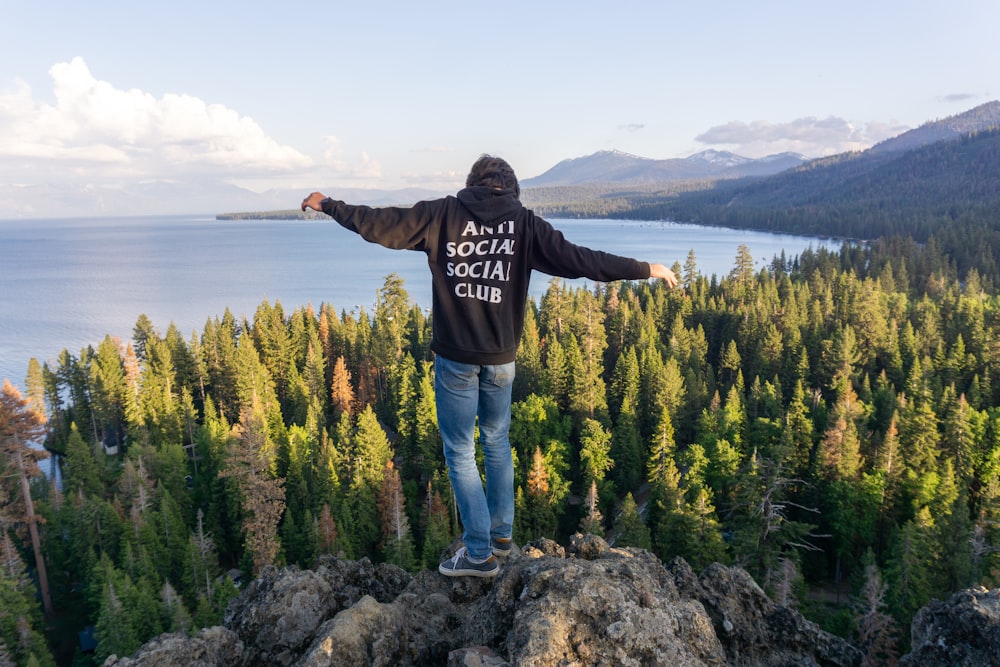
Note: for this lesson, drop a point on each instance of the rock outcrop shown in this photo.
(588, 604)
(962, 631)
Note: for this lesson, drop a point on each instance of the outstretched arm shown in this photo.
(661, 271)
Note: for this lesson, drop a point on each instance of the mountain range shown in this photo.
(940, 176)
(944, 170)
(618, 167)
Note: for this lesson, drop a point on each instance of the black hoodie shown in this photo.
(482, 246)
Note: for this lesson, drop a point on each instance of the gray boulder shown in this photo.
(962, 631)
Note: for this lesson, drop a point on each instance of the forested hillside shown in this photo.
(946, 194)
(832, 424)
(863, 195)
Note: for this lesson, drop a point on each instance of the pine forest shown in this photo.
(831, 423)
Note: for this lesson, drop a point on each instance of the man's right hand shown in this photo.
(661, 271)
(314, 201)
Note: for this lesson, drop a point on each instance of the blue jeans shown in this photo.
(463, 392)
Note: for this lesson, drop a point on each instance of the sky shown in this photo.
(193, 98)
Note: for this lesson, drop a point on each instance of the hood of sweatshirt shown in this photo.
(489, 204)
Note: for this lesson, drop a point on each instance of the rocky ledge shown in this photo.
(588, 604)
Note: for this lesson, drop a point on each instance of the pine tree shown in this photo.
(437, 528)
(405, 381)
(691, 274)
(625, 383)
(397, 539)
(21, 616)
(910, 567)
(629, 529)
(429, 451)
(586, 396)
(175, 615)
(115, 632)
(174, 536)
(80, 471)
(556, 380)
(918, 444)
(271, 338)
(537, 422)
(530, 375)
(326, 531)
(876, 630)
(158, 398)
(250, 464)
(662, 473)
(764, 528)
(537, 513)
(370, 452)
(108, 391)
(593, 520)
(201, 562)
(595, 449)
(19, 428)
(35, 392)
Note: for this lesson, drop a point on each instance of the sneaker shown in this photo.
(461, 566)
(502, 546)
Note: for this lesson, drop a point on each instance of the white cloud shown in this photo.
(335, 165)
(105, 134)
(809, 136)
(433, 149)
(447, 180)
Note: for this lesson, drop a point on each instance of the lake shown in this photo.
(66, 283)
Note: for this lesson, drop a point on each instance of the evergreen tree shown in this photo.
(662, 473)
(535, 513)
(595, 448)
(250, 464)
(108, 391)
(397, 540)
(114, 629)
(629, 528)
(35, 388)
(80, 471)
(370, 453)
(21, 620)
(341, 392)
(556, 380)
(530, 376)
(20, 427)
(175, 615)
(593, 520)
(876, 629)
(201, 562)
(428, 448)
(437, 528)
(326, 531)
(910, 567)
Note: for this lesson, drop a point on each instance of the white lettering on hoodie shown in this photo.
(476, 266)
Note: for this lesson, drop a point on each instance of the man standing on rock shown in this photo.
(481, 246)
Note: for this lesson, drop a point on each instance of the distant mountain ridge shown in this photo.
(984, 117)
(946, 170)
(939, 182)
(615, 166)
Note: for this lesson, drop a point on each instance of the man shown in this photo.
(481, 246)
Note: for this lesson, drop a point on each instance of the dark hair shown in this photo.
(493, 172)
